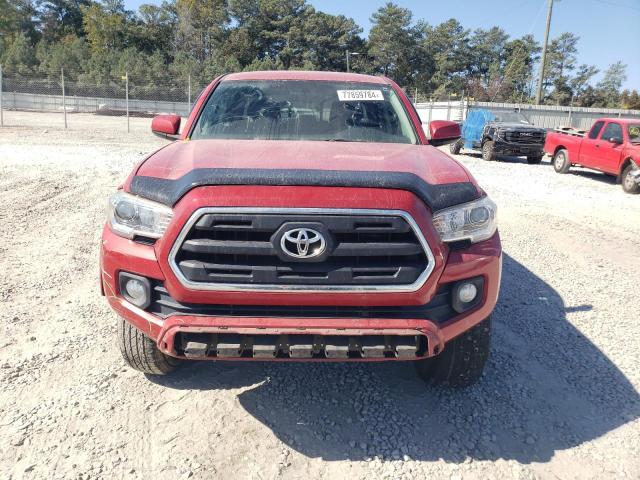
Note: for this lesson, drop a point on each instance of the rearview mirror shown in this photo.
(443, 132)
(615, 140)
(166, 126)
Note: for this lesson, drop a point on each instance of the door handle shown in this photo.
(597, 145)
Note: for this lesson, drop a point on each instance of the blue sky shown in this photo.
(608, 29)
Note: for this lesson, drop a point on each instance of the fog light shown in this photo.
(135, 289)
(467, 292)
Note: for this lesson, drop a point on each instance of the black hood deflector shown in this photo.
(436, 197)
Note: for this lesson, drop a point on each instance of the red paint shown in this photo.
(167, 124)
(310, 76)
(179, 158)
(312, 197)
(597, 153)
(197, 108)
(442, 129)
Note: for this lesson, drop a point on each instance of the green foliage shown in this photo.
(561, 61)
(97, 41)
(609, 87)
(392, 43)
(521, 58)
(105, 26)
(579, 84)
(20, 56)
(59, 18)
(200, 28)
(153, 32)
(16, 18)
(630, 99)
(70, 53)
(327, 38)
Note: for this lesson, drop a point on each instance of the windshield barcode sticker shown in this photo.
(360, 95)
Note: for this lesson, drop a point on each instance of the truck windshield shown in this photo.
(511, 117)
(634, 133)
(304, 110)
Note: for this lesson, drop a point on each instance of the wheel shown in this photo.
(462, 361)
(534, 160)
(455, 147)
(629, 183)
(487, 151)
(141, 353)
(561, 163)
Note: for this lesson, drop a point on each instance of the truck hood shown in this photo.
(170, 173)
(181, 157)
(517, 126)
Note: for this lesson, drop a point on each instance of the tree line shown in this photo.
(97, 41)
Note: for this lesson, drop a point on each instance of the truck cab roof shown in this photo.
(307, 75)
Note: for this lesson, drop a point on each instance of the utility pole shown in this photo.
(348, 55)
(544, 52)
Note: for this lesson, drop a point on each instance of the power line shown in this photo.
(515, 54)
(615, 4)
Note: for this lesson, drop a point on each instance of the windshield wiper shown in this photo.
(340, 140)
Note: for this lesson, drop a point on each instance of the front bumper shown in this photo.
(482, 259)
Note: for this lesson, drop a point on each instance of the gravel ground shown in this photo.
(559, 398)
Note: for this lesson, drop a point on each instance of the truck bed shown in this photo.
(569, 140)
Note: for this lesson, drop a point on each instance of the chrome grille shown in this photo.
(239, 249)
(528, 137)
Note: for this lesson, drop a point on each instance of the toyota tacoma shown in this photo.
(303, 216)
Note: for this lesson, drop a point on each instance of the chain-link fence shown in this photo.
(63, 102)
(74, 99)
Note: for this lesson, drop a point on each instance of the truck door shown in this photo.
(590, 145)
(611, 142)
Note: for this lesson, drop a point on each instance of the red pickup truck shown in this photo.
(612, 146)
(303, 216)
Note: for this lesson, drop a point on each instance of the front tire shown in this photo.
(534, 160)
(487, 151)
(141, 353)
(462, 361)
(629, 185)
(455, 147)
(561, 163)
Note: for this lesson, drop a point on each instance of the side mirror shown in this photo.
(615, 140)
(443, 132)
(166, 126)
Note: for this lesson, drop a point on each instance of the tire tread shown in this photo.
(488, 152)
(566, 166)
(633, 190)
(462, 361)
(140, 352)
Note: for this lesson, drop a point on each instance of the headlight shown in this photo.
(474, 221)
(130, 216)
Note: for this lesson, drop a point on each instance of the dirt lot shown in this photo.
(559, 399)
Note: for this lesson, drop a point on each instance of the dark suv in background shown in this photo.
(501, 133)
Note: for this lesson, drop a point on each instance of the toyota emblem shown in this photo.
(303, 243)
